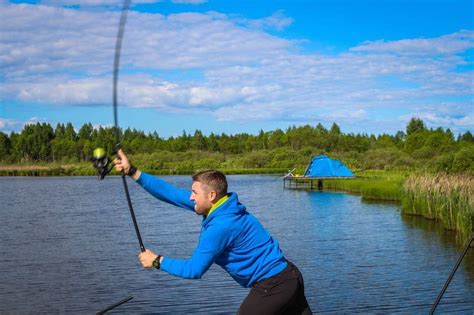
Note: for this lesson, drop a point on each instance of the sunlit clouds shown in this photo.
(230, 67)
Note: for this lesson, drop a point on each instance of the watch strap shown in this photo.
(132, 170)
(156, 262)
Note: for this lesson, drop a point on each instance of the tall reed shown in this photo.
(443, 197)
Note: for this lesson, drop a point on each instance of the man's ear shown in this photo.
(212, 196)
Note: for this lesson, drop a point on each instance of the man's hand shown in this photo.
(147, 257)
(121, 162)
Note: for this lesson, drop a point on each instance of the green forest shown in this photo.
(416, 148)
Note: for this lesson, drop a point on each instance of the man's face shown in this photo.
(202, 198)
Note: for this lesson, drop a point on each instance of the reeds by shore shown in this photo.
(447, 198)
(372, 185)
(443, 197)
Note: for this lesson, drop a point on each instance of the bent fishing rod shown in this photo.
(118, 49)
(100, 159)
(451, 275)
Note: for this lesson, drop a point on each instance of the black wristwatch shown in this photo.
(132, 170)
(156, 263)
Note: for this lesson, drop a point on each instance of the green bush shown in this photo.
(464, 160)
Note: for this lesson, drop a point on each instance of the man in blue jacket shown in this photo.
(230, 237)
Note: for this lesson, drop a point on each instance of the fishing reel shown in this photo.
(101, 163)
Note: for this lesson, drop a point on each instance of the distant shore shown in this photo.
(41, 170)
(86, 169)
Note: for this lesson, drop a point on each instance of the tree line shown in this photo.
(415, 148)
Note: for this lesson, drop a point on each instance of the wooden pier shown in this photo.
(319, 168)
(308, 182)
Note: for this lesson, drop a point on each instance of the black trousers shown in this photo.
(280, 294)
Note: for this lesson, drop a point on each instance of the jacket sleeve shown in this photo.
(213, 242)
(166, 192)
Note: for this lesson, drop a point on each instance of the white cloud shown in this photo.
(64, 56)
(444, 45)
(345, 115)
(434, 120)
(35, 120)
(59, 90)
(277, 20)
(98, 126)
(6, 124)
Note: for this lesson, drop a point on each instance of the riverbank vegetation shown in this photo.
(447, 198)
(416, 148)
(373, 185)
(404, 167)
(443, 197)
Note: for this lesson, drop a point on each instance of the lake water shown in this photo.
(67, 245)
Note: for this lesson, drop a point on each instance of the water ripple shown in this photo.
(68, 246)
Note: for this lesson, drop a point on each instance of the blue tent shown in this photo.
(323, 166)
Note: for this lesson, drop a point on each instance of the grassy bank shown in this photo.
(445, 198)
(372, 185)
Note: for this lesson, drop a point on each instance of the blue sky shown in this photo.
(239, 66)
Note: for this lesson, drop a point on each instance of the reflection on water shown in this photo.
(68, 246)
(445, 238)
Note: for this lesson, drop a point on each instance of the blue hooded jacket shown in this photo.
(231, 237)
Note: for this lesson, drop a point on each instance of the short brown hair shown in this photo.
(214, 179)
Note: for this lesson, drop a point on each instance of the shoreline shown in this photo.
(86, 169)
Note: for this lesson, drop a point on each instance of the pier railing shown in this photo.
(308, 182)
